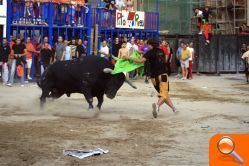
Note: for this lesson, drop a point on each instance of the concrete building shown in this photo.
(3, 17)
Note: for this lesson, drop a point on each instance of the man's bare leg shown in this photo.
(169, 102)
(156, 107)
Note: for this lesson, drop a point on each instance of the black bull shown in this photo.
(90, 76)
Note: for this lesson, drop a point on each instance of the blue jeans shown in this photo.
(13, 71)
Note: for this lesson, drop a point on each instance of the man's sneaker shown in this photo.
(22, 85)
(9, 84)
(155, 110)
(29, 78)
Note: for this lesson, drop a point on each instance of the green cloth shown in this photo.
(123, 65)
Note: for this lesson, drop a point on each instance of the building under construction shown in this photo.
(176, 16)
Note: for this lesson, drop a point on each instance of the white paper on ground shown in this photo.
(81, 154)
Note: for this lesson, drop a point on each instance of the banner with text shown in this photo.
(133, 20)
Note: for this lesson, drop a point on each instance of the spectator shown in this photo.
(140, 43)
(144, 50)
(80, 50)
(4, 55)
(110, 5)
(191, 60)
(128, 44)
(199, 16)
(185, 55)
(73, 46)
(59, 49)
(130, 5)
(163, 47)
(244, 29)
(13, 41)
(85, 45)
(245, 57)
(38, 66)
(243, 49)
(115, 47)
(101, 4)
(178, 58)
(19, 51)
(206, 15)
(133, 46)
(45, 44)
(104, 50)
(124, 52)
(119, 4)
(67, 55)
(46, 55)
(30, 50)
(170, 50)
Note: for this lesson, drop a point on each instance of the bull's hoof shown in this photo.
(42, 106)
(68, 94)
(99, 108)
(90, 109)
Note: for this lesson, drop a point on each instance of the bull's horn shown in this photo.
(107, 70)
(128, 82)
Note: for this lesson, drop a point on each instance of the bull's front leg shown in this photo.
(88, 95)
(100, 101)
(45, 93)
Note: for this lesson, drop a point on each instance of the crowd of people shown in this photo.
(185, 55)
(18, 56)
(32, 12)
(117, 4)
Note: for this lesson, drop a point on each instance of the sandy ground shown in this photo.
(207, 105)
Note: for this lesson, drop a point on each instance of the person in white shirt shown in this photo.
(133, 47)
(191, 60)
(199, 16)
(104, 50)
(119, 4)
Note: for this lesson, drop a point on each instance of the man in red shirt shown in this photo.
(163, 47)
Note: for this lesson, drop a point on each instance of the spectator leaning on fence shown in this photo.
(4, 55)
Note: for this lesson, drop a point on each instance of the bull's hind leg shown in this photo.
(100, 101)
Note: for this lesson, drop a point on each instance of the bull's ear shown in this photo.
(107, 70)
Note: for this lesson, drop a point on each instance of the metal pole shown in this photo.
(8, 20)
(89, 27)
(50, 23)
(156, 5)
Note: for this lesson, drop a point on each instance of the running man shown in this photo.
(157, 60)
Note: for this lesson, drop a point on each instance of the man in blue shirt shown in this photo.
(178, 64)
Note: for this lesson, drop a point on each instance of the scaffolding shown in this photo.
(227, 15)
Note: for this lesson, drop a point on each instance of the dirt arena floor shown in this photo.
(207, 105)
